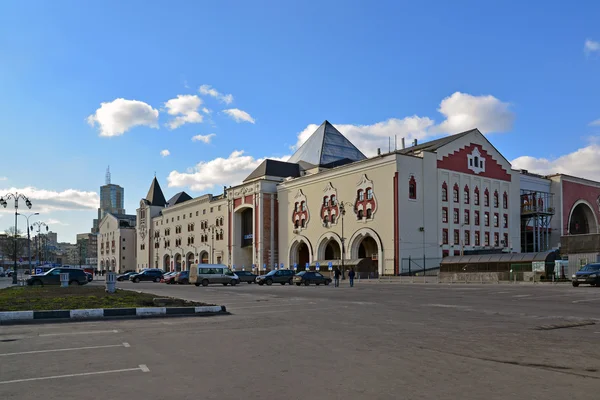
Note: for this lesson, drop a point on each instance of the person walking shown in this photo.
(336, 277)
(351, 274)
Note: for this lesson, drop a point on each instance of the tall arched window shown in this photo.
(466, 194)
(486, 198)
(476, 194)
(444, 192)
(496, 201)
(505, 200)
(455, 193)
(412, 188)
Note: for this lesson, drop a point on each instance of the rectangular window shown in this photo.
(467, 217)
(456, 236)
(496, 239)
(496, 220)
(467, 238)
(445, 236)
(477, 239)
(505, 221)
(203, 212)
(477, 217)
(456, 217)
(219, 208)
(505, 244)
(486, 239)
(211, 209)
(444, 214)
(486, 218)
(197, 213)
(183, 216)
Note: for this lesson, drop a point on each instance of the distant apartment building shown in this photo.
(88, 245)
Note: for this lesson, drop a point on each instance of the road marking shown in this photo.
(304, 309)
(141, 367)
(69, 349)
(79, 333)
(523, 295)
(269, 306)
(585, 301)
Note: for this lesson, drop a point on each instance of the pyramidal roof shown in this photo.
(179, 198)
(155, 196)
(327, 147)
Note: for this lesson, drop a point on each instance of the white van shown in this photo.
(205, 274)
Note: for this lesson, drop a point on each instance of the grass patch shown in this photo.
(77, 297)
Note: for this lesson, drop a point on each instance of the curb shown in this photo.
(16, 317)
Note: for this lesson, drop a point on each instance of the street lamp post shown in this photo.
(39, 244)
(16, 196)
(342, 213)
(28, 237)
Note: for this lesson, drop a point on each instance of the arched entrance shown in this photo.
(330, 247)
(204, 257)
(177, 262)
(189, 259)
(365, 244)
(167, 263)
(300, 253)
(582, 220)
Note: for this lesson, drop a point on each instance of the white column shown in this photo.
(272, 238)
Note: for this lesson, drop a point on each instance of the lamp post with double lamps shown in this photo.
(15, 196)
(28, 237)
(39, 225)
(343, 205)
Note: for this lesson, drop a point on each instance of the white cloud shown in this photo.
(49, 200)
(185, 109)
(206, 110)
(3, 178)
(591, 46)
(462, 112)
(118, 116)
(595, 123)
(218, 172)
(208, 90)
(165, 153)
(239, 115)
(53, 221)
(203, 138)
(582, 163)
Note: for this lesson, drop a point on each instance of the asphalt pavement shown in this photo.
(373, 341)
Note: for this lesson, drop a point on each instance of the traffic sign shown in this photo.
(318, 266)
(330, 266)
(307, 267)
(295, 266)
(281, 266)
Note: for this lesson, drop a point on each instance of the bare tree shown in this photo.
(7, 244)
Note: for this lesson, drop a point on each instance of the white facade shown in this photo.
(117, 243)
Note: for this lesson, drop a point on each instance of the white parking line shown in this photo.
(69, 349)
(523, 295)
(304, 309)
(79, 333)
(141, 367)
(585, 301)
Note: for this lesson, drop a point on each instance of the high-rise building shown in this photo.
(112, 198)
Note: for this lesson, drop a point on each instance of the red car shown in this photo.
(169, 277)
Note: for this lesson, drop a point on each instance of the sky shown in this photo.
(199, 92)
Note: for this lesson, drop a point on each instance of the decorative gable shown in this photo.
(329, 207)
(365, 204)
(475, 160)
(300, 214)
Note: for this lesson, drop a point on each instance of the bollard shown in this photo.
(64, 279)
(111, 282)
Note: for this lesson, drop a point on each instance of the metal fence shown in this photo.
(420, 266)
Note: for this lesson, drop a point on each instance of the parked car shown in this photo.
(148, 275)
(76, 277)
(89, 276)
(182, 278)
(246, 276)
(308, 277)
(281, 276)
(169, 277)
(205, 274)
(125, 276)
(587, 275)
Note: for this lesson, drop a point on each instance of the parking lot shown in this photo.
(373, 341)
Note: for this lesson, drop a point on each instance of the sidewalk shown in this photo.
(5, 282)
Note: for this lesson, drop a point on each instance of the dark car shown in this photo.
(52, 277)
(151, 275)
(282, 276)
(89, 276)
(246, 276)
(587, 275)
(182, 278)
(125, 276)
(308, 277)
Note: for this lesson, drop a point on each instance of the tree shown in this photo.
(7, 244)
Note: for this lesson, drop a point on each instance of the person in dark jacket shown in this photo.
(336, 276)
(351, 274)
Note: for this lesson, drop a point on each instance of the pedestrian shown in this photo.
(336, 276)
(351, 277)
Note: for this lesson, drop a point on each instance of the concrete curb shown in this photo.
(16, 317)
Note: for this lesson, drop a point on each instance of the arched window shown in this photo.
(412, 188)
(332, 218)
(444, 192)
(360, 214)
(296, 207)
(466, 194)
(303, 206)
(505, 200)
(360, 195)
(369, 213)
(303, 223)
(486, 198)
(296, 223)
(326, 201)
(455, 193)
(325, 220)
(496, 201)
(369, 194)
(333, 200)
(476, 194)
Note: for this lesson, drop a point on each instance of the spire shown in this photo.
(108, 175)
(327, 146)
(155, 196)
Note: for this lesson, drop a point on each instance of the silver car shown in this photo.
(206, 274)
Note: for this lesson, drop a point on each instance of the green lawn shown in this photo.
(76, 297)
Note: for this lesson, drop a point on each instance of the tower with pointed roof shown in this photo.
(155, 196)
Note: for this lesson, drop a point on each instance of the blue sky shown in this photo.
(526, 73)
